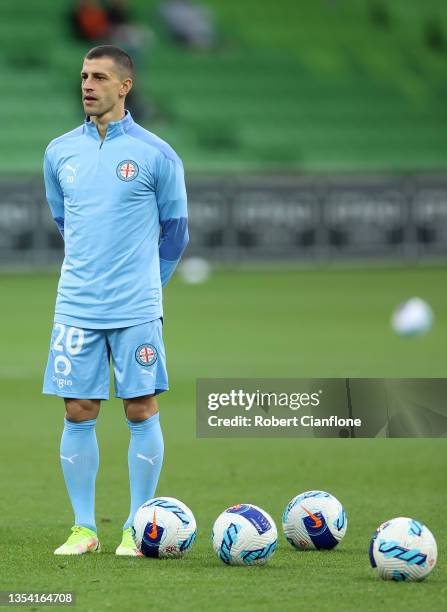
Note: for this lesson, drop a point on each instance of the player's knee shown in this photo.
(78, 410)
(140, 408)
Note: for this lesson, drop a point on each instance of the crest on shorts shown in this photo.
(146, 354)
(127, 170)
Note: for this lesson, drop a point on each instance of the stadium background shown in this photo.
(303, 109)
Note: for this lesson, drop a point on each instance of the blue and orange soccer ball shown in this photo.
(164, 527)
(314, 520)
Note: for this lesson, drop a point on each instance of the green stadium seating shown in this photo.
(295, 87)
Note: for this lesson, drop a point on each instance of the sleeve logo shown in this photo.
(127, 170)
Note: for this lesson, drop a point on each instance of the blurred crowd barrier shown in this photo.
(266, 219)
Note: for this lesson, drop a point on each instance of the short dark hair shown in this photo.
(119, 56)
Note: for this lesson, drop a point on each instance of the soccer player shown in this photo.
(117, 194)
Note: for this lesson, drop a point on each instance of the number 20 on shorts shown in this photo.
(73, 340)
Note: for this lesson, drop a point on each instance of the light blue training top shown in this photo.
(121, 208)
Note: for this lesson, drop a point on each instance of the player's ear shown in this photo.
(126, 86)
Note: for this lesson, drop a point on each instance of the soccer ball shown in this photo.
(164, 527)
(412, 318)
(403, 549)
(314, 520)
(194, 270)
(244, 535)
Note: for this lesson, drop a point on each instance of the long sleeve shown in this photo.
(172, 207)
(54, 195)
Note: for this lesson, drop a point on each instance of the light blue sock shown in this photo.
(145, 460)
(80, 461)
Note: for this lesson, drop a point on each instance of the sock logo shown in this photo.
(150, 460)
(69, 459)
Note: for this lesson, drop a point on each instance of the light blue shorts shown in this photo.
(79, 361)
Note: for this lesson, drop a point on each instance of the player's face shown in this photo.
(102, 89)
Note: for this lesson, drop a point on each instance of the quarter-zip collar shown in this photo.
(114, 128)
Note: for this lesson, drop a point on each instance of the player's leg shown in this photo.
(79, 456)
(140, 373)
(77, 370)
(145, 457)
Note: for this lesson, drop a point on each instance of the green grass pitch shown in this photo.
(265, 323)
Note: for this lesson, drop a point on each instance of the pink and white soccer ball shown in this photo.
(403, 549)
(314, 520)
(164, 527)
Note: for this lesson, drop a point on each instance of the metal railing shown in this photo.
(266, 218)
